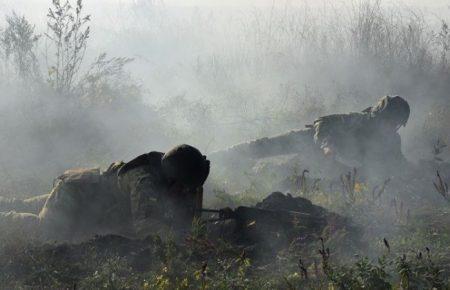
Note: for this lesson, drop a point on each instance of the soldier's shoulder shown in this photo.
(152, 159)
(337, 119)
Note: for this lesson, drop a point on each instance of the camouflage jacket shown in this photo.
(131, 199)
(154, 208)
(356, 138)
(84, 203)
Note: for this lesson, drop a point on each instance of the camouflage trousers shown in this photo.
(82, 204)
(19, 224)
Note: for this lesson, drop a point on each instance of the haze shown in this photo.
(213, 76)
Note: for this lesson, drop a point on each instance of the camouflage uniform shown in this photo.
(135, 199)
(85, 202)
(31, 205)
(357, 139)
(154, 208)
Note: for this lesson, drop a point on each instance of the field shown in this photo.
(213, 79)
(399, 248)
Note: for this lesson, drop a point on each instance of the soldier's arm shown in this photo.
(396, 150)
(198, 202)
(144, 198)
(140, 184)
(330, 131)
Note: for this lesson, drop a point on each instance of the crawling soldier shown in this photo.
(367, 140)
(152, 194)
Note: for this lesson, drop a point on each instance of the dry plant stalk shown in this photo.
(441, 187)
(325, 254)
(378, 191)
(438, 149)
(402, 214)
(303, 269)
(303, 183)
(348, 185)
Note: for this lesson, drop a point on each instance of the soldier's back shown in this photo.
(84, 203)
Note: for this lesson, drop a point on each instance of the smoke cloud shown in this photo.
(214, 76)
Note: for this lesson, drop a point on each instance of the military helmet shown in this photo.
(393, 109)
(187, 165)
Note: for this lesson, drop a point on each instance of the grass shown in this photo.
(283, 67)
(392, 252)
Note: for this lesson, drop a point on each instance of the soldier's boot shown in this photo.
(30, 205)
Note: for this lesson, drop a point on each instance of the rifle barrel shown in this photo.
(209, 210)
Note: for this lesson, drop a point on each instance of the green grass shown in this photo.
(391, 252)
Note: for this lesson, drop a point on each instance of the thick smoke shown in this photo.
(217, 76)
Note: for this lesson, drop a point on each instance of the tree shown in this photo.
(18, 41)
(68, 31)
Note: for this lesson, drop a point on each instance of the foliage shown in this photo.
(86, 127)
(68, 32)
(106, 82)
(18, 42)
(41, 122)
(172, 265)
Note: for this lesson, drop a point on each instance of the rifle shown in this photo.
(248, 216)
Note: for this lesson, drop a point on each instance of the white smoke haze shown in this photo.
(157, 73)
(214, 74)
